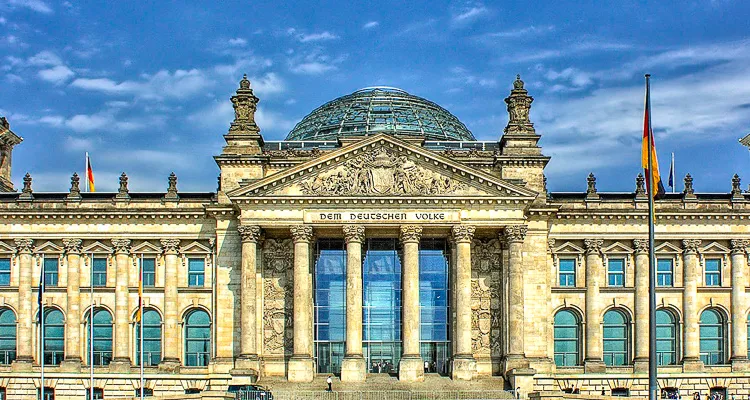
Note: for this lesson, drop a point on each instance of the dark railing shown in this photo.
(712, 357)
(150, 358)
(199, 359)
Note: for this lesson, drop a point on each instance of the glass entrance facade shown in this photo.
(434, 305)
(330, 305)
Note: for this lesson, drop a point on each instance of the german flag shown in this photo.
(89, 174)
(648, 146)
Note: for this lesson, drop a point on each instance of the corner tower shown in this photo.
(8, 140)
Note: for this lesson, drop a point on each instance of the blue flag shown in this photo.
(671, 174)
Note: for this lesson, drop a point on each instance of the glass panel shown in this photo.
(100, 272)
(151, 338)
(149, 272)
(4, 271)
(664, 272)
(566, 339)
(50, 271)
(434, 305)
(615, 338)
(197, 338)
(54, 337)
(330, 305)
(102, 354)
(196, 268)
(712, 342)
(713, 272)
(7, 336)
(666, 338)
(616, 272)
(568, 272)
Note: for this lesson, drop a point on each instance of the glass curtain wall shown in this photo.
(330, 304)
(434, 305)
(381, 279)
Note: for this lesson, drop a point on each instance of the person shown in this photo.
(329, 381)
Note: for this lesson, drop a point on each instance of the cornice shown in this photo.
(222, 212)
(380, 201)
(101, 214)
(643, 214)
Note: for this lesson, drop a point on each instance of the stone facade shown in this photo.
(255, 237)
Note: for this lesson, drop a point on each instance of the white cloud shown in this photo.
(105, 121)
(163, 84)
(461, 76)
(3, 21)
(527, 31)
(52, 120)
(78, 144)
(237, 42)
(469, 14)
(57, 75)
(312, 68)
(219, 115)
(311, 37)
(571, 79)
(370, 25)
(314, 63)
(34, 5)
(13, 78)
(44, 58)
(269, 83)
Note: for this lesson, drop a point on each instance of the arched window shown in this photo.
(7, 336)
(666, 337)
(197, 338)
(712, 334)
(615, 338)
(102, 337)
(151, 338)
(567, 339)
(54, 336)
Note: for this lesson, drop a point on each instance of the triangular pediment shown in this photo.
(48, 247)
(714, 247)
(6, 248)
(146, 248)
(568, 248)
(98, 248)
(383, 167)
(667, 247)
(195, 247)
(617, 248)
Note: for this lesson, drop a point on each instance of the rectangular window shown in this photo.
(149, 272)
(50, 271)
(4, 271)
(98, 394)
(616, 272)
(196, 271)
(568, 272)
(49, 393)
(146, 392)
(664, 272)
(99, 274)
(713, 272)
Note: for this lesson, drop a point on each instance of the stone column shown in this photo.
(353, 367)
(24, 357)
(248, 359)
(301, 365)
(641, 305)
(464, 366)
(594, 361)
(171, 358)
(411, 367)
(514, 236)
(739, 305)
(72, 362)
(121, 360)
(691, 339)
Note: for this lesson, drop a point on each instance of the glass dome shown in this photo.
(376, 110)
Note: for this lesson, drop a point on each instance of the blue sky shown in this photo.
(145, 88)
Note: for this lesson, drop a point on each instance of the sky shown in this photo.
(144, 87)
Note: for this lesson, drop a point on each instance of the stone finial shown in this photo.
(172, 188)
(690, 246)
(591, 189)
(519, 104)
(301, 233)
(640, 187)
(249, 233)
(737, 188)
(75, 187)
(688, 192)
(26, 192)
(593, 246)
(123, 192)
(4, 123)
(354, 233)
(410, 233)
(640, 246)
(245, 104)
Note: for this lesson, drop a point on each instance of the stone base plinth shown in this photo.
(411, 369)
(512, 361)
(463, 368)
(640, 365)
(353, 369)
(594, 366)
(22, 365)
(169, 365)
(71, 365)
(521, 380)
(740, 365)
(121, 365)
(301, 369)
(692, 365)
(246, 365)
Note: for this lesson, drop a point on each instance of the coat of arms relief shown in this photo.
(381, 172)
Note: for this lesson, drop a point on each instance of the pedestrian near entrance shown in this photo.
(329, 381)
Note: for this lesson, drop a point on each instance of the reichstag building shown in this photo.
(379, 238)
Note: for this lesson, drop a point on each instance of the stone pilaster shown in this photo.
(641, 305)
(171, 358)
(691, 339)
(248, 359)
(24, 357)
(739, 305)
(353, 368)
(514, 236)
(301, 364)
(464, 366)
(411, 367)
(594, 361)
(121, 360)
(72, 362)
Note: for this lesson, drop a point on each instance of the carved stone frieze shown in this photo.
(278, 261)
(690, 246)
(72, 246)
(486, 322)
(249, 233)
(354, 233)
(380, 172)
(410, 233)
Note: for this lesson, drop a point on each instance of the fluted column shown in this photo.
(641, 304)
(739, 305)
(514, 237)
(691, 356)
(122, 308)
(464, 366)
(301, 366)
(353, 367)
(171, 359)
(411, 367)
(594, 356)
(250, 236)
(73, 317)
(25, 301)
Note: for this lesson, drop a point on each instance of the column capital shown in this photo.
(690, 246)
(515, 233)
(121, 246)
(410, 233)
(72, 246)
(354, 233)
(640, 246)
(463, 233)
(170, 245)
(593, 246)
(301, 233)
(249, 233)
(739, 246)
(24, 245)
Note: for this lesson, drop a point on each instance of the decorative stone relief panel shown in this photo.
(486, 256)
(278, 259)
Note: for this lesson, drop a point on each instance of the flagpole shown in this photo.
(140, 313)
(671, 174)
(91, 312)
(41, 335)
(652, 383)
(86, 172)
